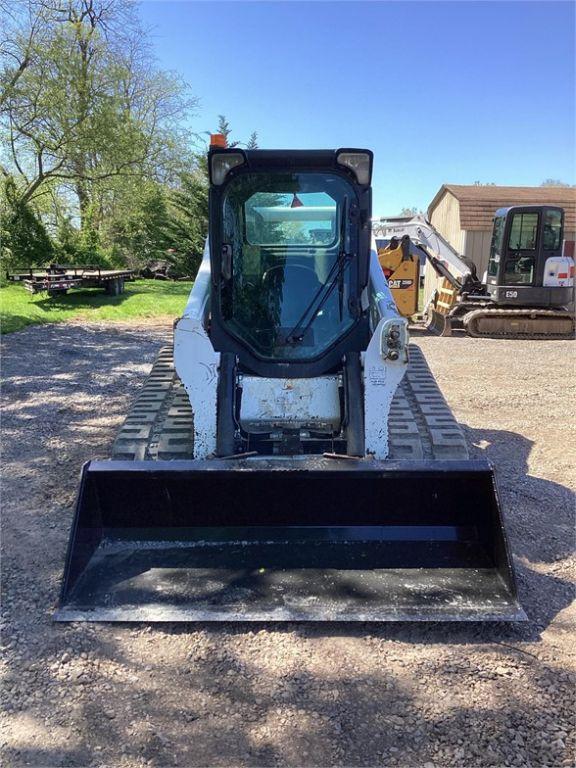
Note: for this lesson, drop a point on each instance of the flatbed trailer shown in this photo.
(59, 279)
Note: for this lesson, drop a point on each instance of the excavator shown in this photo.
(291, 458)
(527, 291)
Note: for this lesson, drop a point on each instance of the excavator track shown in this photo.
(160, 423)
(519, 324)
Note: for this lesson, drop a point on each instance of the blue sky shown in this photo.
(452, 92)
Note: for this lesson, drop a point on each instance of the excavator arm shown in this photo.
(423, 234)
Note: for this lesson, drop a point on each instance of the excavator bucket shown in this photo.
(437, 323)
(264, 540)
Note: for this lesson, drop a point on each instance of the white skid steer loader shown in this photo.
(295, 459)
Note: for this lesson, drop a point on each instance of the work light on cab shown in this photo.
(222, 163)
(358, 162)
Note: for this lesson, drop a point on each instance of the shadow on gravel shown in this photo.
(221, 702)
(56, 379)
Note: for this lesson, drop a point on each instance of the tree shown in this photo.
(138, 230)
(554, 183)
(89, 105)
(187, 224)
(95, 146)
(23, 236)
(225, 130)
(252, 141)
(409, 212)
(23, 34)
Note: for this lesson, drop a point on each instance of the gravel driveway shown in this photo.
(296, 694)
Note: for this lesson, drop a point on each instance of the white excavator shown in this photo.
(292, 458)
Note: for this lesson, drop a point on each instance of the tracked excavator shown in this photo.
(527, 291)
(291, 458)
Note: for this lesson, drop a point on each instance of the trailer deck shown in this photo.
(59, 279)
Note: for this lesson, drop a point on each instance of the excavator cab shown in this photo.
(526, 266)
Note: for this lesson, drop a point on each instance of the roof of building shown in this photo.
(478, 204)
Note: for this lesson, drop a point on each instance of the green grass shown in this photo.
(143, 298)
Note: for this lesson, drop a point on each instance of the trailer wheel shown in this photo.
(113, 287)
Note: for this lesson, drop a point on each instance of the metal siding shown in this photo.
(479, 249)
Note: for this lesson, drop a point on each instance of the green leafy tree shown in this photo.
(66, 244)
(23, 237)
(137, 228)
(89, 106)
(187, 225)
(94, 139)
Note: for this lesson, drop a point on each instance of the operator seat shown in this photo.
(290, 288)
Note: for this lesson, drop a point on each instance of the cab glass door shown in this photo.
(520, 263)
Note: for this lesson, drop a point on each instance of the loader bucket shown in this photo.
(312, 540)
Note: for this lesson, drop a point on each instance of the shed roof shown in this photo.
(478, 204)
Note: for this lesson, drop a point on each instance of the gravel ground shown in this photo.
(284, 695)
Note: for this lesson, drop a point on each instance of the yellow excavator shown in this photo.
(401, 268)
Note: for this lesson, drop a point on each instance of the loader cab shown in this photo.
(525, 265)
(289, 249)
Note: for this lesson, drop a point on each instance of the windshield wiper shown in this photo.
(335, 277)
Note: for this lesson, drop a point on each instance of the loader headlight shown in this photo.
(221, 163)
(358, 162)
(394, 340)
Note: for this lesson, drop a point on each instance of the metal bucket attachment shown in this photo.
(315, 540)
(437, 323)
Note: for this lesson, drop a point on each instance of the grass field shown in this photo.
(143, 298)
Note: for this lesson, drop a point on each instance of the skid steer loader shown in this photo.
(292, 458)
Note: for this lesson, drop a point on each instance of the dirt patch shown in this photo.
(295, 694)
